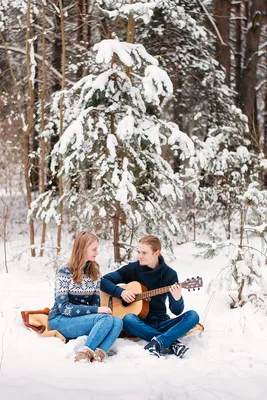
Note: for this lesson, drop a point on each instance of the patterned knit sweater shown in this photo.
(73, 299)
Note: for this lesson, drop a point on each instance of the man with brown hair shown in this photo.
(157, 328)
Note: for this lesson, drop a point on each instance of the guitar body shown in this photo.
(121, 308)
(140, 306)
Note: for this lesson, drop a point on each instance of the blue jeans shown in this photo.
(165, 330)
(102, 329)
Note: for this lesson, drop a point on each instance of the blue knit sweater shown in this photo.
(152, 279)
(73, 299)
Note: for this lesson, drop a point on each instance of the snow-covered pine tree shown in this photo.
(243, 277)
(116, 140)
(204, 106)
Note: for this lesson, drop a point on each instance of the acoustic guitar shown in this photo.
(140, 306)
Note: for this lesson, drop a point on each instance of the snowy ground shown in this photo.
(227, 362)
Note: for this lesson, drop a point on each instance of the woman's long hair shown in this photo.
(152, 241)
(78, 258)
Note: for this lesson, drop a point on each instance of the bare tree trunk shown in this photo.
(228, 222)
(56, 62)
(35, 171)
(88, 22)
(80, 21)
(222, 10)
(117, 215)
(238, 49)
(265, 138)
(4, 223)
(43, 99)
(131, 27)
(80, 28)
(243, 216)
(30, 124)
(130, 35)
(63, 66)
(116, 233)
(249, 77)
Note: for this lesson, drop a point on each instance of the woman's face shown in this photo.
(92, 251)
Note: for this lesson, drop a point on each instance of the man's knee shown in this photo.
(129, 319)
(193, 316)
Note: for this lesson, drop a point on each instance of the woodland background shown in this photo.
(72, 168)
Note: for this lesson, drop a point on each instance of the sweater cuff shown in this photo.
(180, 301)
(94, 310)
(118, 291)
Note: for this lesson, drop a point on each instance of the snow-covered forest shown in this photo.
(127, 118)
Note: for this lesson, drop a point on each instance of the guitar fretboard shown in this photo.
(151, 293)
(188, 284)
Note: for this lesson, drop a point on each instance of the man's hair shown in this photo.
(152, 241)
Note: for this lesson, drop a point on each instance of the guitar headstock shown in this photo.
(193, 283)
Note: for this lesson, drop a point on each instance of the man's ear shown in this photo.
(157, 253)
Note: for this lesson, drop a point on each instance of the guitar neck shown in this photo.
(152, 293)
(188, 284)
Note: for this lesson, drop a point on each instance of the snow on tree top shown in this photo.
(129, 54)
(139, 10)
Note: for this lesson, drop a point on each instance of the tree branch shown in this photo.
(212, 22)
(57, 74)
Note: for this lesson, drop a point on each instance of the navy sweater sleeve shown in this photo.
(125, 274)
(176, 306)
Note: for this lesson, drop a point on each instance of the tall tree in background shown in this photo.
(61, 118)
(30, 64)
(115, 136)
(222, 12)
(43, 102)
(176, 34)
(249, 74)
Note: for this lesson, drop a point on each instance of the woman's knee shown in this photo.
(118, 322)
(106, 318)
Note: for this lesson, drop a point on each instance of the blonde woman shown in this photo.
(77, 310)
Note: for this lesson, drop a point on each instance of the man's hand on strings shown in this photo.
(176, 291)
(128, 296)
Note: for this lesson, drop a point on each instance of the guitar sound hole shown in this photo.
(124, 304)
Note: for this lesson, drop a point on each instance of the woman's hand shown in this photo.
(176, 291)
(104, 310)
(128, 296)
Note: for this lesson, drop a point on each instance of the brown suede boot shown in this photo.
(100, 355)
(85, 355)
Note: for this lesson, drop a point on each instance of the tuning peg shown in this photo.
(187, 279)
(194, 289)
(198, 277)
(193, 277)
(188, 290)
(199, 288)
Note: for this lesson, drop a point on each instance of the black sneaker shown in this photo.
(178, 348)
(154, 347)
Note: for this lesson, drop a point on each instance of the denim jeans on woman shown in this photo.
(102, 329)
(165, 330)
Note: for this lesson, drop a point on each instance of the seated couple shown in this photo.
(77, 310)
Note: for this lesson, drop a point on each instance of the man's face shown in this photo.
(146, 256)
